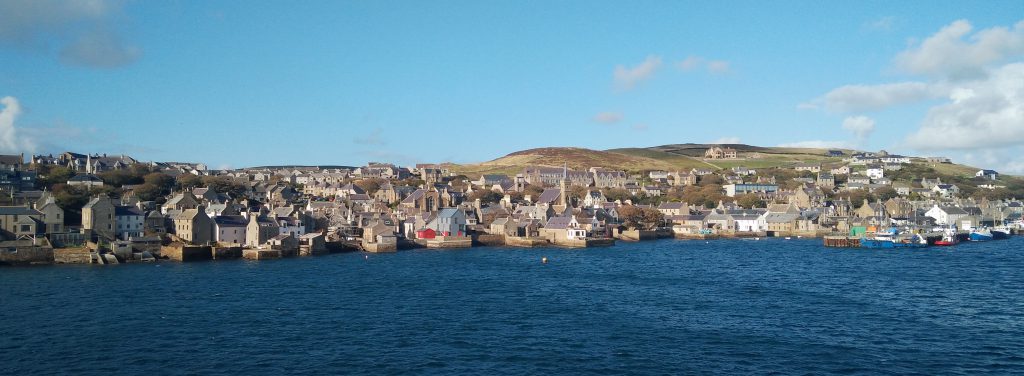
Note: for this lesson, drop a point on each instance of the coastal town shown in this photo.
(76, 208)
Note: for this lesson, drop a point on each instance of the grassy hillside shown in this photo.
(667, 157)
(574, 158)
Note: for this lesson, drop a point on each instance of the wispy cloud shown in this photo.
(83, 31)
(693, 63)
(886, 23)
(640, 127)
(374, 137)
(858, 98)
(690, 63)
(726, 140)
(860, 126)
(626, 78)
(718, 67)
(608, 117)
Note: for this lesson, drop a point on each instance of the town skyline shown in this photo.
(220, 83)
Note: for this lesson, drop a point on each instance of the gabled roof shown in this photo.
(230, 221)
(672, 206)
(558, 223)
(17, 210)
(448, 212)
(121, 211)
(953, 210)
(549, 195)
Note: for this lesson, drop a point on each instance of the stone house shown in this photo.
(194, 226)
(312, 244)
(18, 221)
(718, 152)
(98, 218)
(230, 229)
(129, 222)
(259, 230)
(52, 216)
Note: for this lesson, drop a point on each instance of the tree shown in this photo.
(750, 201)
(50, 176)
(640, 218)
(533, 191)
(160, 180)
(121, 177)
(148, 192)
(617, 194)
(71, 199)
(485, 196)
(189, 181)
(886, 193)
(576, 193)
(713, 179)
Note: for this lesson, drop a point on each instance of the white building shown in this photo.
(946, 215)
(129, 222)
(875, 172)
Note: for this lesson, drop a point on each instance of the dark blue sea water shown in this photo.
(664, 307)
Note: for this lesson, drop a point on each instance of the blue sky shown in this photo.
(233, 83)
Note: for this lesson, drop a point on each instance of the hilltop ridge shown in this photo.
(670, 157)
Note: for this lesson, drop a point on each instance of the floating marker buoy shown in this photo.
(366, 257)
(543, 260)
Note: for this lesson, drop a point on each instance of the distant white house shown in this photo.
(988, 174)
(875, 172)
(946, 215)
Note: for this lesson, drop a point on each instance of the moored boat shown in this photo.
(1000, 232)
(890, 239)
(980, 235)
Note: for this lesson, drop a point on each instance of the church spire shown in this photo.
(562, 185)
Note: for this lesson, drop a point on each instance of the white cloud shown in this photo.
(10, 141)
(881, 24)
(861, 126)
(818, 144)
(983, 113)
(608, 117)
(83, 31)
(856, 98)
(948, 54)
(628, 77)
(690, 63)
(726, 140)
(640, 127)
(718, 66)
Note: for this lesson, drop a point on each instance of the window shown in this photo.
(26, 228)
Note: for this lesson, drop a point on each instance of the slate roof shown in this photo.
(17, 210)
(121, 211)
(549, 195)
(558, 223)
(86, 178)
(230, 221)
